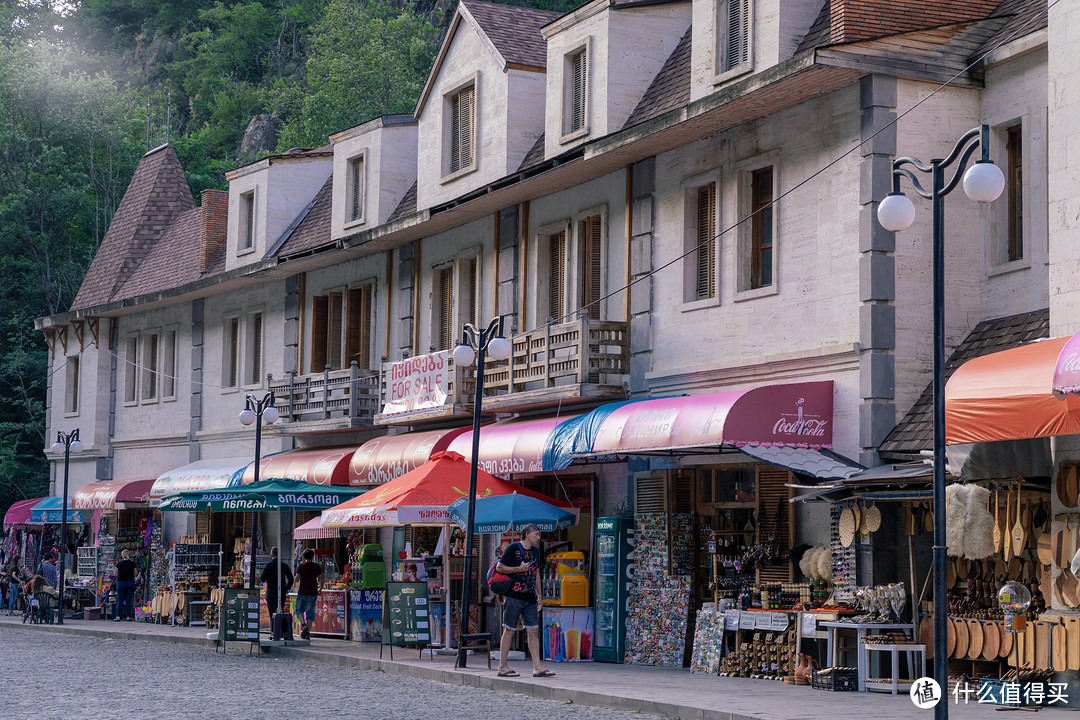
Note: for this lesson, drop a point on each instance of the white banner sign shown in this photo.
(417, 384)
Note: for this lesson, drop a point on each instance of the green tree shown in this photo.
(367, 59)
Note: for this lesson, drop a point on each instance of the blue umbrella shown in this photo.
(499, 513)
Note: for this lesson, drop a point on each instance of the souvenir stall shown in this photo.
(267, 495)
(21, 537)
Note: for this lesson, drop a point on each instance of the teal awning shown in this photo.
(263, 495)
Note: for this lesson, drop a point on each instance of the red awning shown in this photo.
(108, 494)
(1010, 395)
(516, 446)
(384, 458)
(796, 415)
(19, 512)
(322, 466)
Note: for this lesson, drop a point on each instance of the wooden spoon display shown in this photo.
(1072, 487)
(997, 526)
(975, 639)
(1044, 549)
(928, 520)
(1040, 657)
(926, 635)
(1006, 543)
(1018, 529)
(950, 573)
(962, 639)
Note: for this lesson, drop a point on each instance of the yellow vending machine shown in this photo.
(566, 580)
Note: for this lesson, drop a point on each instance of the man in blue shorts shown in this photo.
(521, 561)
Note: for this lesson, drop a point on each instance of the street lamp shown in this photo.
(475, 344)
(254, 412)
(67, 444)
(983, 182)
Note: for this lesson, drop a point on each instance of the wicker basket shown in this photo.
(837, 679)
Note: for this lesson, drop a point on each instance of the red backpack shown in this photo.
(498, 583)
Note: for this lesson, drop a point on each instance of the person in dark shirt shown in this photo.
(521, 561)
(275, 599)
(309, 575)
(126, 571)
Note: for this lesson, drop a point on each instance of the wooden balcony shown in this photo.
(575, 362)
(326, 401)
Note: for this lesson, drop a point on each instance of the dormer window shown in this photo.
(355, 189)
(247, 221)
(575, 114)
(462, 129)
(733, 36)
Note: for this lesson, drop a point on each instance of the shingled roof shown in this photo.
(157, 195)
(513, 30)
(670, 88)
(174, 259)
(407, 206)
(915, 432)
(313, 229)
(1027, 16)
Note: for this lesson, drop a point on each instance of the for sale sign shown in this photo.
(417, 384)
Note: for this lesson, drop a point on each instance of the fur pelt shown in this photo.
(956, 496)
(978, 524)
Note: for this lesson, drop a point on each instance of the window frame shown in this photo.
(253, 332)
(581, 274)
(691, 239)
(230, 352)
(748, 238)
(569, 132)
(464, 270)
(1014, 189)
(149, 367)
(450, 131)
(335, 351)
(131, 370)
(169, 358)
(72, 385)
(246, 221)
(352, 202)
(541, 310)
(722, 27)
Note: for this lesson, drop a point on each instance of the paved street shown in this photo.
(48, 675)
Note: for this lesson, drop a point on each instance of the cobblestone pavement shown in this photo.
(46, 675)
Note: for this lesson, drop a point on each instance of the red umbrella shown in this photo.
(421, 496)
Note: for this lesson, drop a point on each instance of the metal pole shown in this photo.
(941, 710)
(466, 592)
(63, 526)
(254, 513)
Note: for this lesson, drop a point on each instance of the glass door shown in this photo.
(605, 590)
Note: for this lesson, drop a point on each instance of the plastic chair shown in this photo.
(44, 606)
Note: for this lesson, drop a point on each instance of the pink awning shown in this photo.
(322, 466)
(19, 512)
(796, 415)
(313, 530)
(1067, 369)
(107, 494)
(516, 446)
(385, 458)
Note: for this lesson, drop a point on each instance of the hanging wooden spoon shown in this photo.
(1006, 543)
(1018, 528)
(997, 526)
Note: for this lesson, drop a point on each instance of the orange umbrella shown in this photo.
(421, 496)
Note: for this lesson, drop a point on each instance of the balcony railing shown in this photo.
(351, 394)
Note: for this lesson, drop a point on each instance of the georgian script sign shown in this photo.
(417, 384)
(1067, 370)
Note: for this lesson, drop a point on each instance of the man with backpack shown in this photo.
(521, 561)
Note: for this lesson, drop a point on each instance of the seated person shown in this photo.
(39, 584)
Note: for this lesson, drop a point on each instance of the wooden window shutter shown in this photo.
(557, 275)
(706, 246)
(446, 308)
(761, 196)
(256, 347)
(334, 329)
(591, 241)
(737, 48)
(202, 523)
(473, 292)
(1015, 197)
(681, 492)
(234, 350)
(579, 69)
(320, 311)
(462, 116)
(356, 178)
(358, 333)
(650, 494)
(774, 517)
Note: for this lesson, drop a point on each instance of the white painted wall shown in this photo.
(283, 187)
(1016, 92)
(389, 153)
(778, 28)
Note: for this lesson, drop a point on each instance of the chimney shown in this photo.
(215, 228)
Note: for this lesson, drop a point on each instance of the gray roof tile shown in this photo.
(514, 30)
(670, 88)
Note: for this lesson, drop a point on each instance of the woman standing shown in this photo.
(125, 586)
(12, 578)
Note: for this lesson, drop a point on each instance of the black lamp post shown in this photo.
(68, 444)
(982, 182)
(475, 344)
(254, 412)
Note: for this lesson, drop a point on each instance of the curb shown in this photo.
(116, 634)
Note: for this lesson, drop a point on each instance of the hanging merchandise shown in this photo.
(843, 559)
(657, 623)
(978, 524)
(708, 641)
(956, 496)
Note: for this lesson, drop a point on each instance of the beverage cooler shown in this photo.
(614, 563)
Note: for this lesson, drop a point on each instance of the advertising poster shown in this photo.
(365, 615)
(567, 634)
(330, 614)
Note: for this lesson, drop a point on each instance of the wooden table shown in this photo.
(918, 652)
(861, 630)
